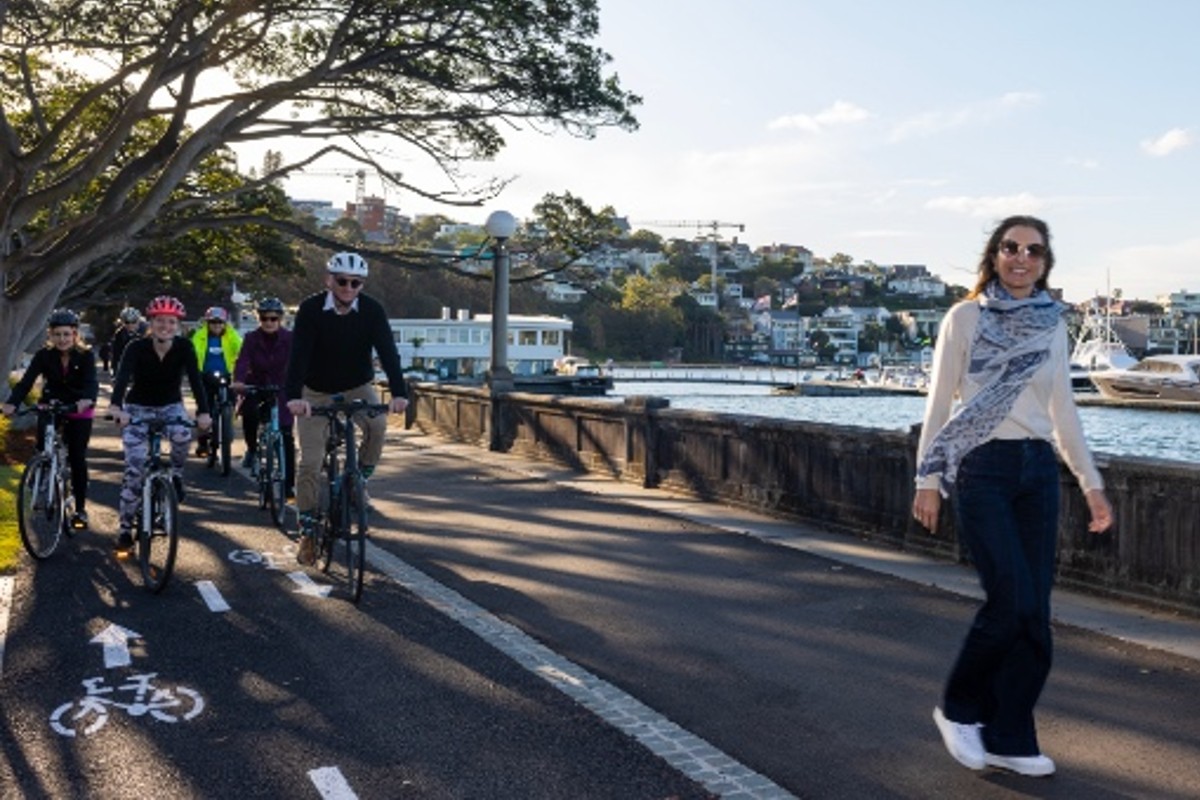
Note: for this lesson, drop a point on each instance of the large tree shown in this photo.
(107, 110)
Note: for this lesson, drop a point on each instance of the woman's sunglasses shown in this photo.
(1034, 252)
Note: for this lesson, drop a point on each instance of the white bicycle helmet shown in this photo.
(348, 264)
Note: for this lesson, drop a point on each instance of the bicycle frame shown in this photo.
(45, 502)
(221, 437)
(342, 514)
(158, 512)
(270, 453)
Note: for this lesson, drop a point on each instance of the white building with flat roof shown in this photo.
(460, 346)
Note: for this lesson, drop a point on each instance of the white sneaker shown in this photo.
(962, 741)
(1038, 766)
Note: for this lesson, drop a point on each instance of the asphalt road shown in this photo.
(519, 638)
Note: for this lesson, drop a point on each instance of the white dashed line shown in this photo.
(683, 750)
(331, 784)
(6, 590)
(212, 596)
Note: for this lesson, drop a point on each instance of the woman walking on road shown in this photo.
(1002, 355)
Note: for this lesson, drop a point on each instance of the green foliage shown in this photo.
(113, 147)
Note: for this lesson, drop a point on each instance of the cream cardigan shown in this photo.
(1045, 409)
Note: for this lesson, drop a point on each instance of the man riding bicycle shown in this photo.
(67, 368)
(217, 346)
(334, 334)
(147, 386)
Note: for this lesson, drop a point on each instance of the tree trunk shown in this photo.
(23, 323)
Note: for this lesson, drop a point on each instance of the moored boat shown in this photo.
(1166, 377)
(1097, 349)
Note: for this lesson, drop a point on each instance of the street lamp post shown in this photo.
(500, 226)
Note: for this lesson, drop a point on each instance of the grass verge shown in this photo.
(10, 475)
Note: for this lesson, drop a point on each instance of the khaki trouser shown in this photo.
(310, 435)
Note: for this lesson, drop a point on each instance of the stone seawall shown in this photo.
(855, 480)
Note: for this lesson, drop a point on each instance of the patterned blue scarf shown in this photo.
(1011, 341)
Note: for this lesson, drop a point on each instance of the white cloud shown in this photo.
(988, 207)
(934, 122)
(1169, 142)
(840, 113)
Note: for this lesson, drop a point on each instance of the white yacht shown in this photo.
(1175, 378)
(1098, 349)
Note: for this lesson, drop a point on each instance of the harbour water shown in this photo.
(1173, 435)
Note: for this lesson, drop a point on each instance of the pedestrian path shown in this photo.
(1170, 632)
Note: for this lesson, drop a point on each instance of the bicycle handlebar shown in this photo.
(348, 407)
(265, 388)
(53, 407)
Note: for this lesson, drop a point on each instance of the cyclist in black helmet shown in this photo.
(67, 368)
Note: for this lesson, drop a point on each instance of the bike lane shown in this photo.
(241, 679)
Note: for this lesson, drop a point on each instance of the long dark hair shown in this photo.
(987, 262)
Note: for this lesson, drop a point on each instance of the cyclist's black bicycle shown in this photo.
(220, 437)
(342, 511)
(156, 522)
(45, 504)
(270, 454)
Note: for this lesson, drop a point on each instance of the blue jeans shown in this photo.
(1007, 514)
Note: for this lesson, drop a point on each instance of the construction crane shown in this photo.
(359, 175)
(714, 227)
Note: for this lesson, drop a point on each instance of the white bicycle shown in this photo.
(90, 713)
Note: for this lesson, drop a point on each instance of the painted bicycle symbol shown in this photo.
(265, 558)
(90, 713)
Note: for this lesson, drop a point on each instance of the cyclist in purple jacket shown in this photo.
(263, 361)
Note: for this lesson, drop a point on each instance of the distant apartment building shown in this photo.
(379, 221)
(793, 253)
(1181, 303)
(321, 210)
(914, 279)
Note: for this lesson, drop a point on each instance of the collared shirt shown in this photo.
(330, 305)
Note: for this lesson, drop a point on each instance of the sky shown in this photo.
(895, 131)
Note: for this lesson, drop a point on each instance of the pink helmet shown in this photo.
(217, 313)
(165, 305)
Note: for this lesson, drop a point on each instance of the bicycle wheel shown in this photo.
(355, 534)
(328, 534)
(215, 435)
(158, 536)
(277, 479)
(39, 508)
(226, 439)
(262, 463)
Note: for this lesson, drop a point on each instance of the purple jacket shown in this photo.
(264, 360)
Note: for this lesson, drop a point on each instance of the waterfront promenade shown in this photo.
(527, 632)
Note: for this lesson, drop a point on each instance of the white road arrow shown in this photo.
(308, 586)
(116, 645)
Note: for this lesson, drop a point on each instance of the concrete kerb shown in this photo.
(1160, 630)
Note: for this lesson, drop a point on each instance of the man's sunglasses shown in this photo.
(353, 283)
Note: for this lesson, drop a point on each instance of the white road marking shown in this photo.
(682, 749)
(308, 586)
(212, 596)
(331, 784)
(6, 590)
(115, 640)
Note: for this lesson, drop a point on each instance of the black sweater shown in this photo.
(77, 383)
(156, 382)
(331, 352)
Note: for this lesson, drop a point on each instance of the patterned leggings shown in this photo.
(136, 439)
